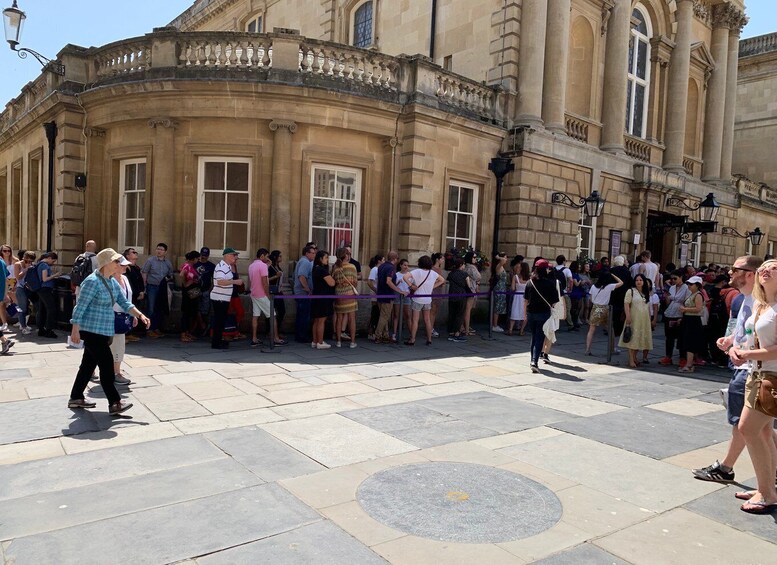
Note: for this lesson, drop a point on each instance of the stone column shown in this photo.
(716, 94)
(615, 76)
(554, 89)
(531, 62)
(280, 222)
(731, 96)
(163, 187)
(99, 209)
(679, 68)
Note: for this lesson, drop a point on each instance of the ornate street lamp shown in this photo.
(708, 208)
(13, 19)
(593, 205)
(755, 236)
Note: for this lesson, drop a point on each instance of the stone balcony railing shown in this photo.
(285, 58)
(583, 129)
(643, 150)
(757, 45)
(692, 165)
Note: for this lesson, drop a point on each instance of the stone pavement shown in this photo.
(454, 453)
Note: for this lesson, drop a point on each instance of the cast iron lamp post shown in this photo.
(754, 236)
(13, 18)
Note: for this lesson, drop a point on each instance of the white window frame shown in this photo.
(352, 23)
(636, 37)
(473, 224)
(694, 251)
(123, 243)
(748, 246)
(355, 229)
(591, 244)
(254, 19)
(200, 231)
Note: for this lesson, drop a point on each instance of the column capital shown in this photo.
(607, 6)
(164, 122)
(289, 125)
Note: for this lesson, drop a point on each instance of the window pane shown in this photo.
(324, 183)
(237, 207)
(130, 233)
(141, 204)
(628, 106)
(362, 25)
(237, 177)
(141, 176)
(467, 200)
(451, 224)
(129, 177)
(237, 235)
(346, 186)
(453, 197)
(631, 54)
(320, 236)
(639, 109)
(130, 205)
(343, 214)
(462, 226)
(214, 206)
(641, 25)
(323, 214)
(642, 59)
(140, 240)
(214, 176)
(214, 235)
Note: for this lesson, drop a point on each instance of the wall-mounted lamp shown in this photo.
(594, 204)
(755, 236)
(13, 18)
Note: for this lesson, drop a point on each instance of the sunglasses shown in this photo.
(735, 269)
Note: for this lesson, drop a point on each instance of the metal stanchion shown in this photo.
(401, 316)
(272, 327)
(490, 313)
(610, 332)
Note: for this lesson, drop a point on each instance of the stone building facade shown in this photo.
(374, 121)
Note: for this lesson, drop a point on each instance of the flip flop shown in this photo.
(745, 495)
(760, 507)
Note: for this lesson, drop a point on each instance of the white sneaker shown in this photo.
(323, 345)
(4, 328)
(497, 329)
(353, 345)
(313, 344)
(27, 330)
(435, 333)
(339, 344)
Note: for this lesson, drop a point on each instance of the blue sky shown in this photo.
(51, 24)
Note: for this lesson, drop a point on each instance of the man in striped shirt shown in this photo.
(221, 294)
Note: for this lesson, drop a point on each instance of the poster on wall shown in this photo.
(615, 243)
(683, 254)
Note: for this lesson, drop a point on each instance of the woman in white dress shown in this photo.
(518, 309)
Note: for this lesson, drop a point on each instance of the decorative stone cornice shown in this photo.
(94, 132)
(164, 122)
(290, 125)
(607, 6)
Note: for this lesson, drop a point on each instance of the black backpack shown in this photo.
(32, 280)
(82, 268)
(562, 280)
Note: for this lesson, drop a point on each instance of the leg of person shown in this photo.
(280, 312)
(589, 338)
(152, 290)
(428, 324)
(118, 347)
(21, 303)
(89, 360)
(384, 319)
(754, 427)
(351, 317)
(219, 317)
(415, 315)
(568, 308)
(47, 312)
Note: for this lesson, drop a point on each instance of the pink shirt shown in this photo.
(256, 271)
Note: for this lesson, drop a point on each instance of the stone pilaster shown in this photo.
(280, 222)
(679, 68)
(163, 187)
(531, 63)
(737, 23)
(556, 55)
(716, 93)
(615, 71)
(98, 208)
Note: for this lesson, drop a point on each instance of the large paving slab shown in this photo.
(584, 554)
(43, 512)
(442, 433)
(647, 432)
(397, 416)
(40, 418)
(263, 454)
(334, 440)
(82, 469)
(321, 543)
(171, 533)
(637, 394)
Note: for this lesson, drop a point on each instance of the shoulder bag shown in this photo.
(551, 324)
(766, 383)
(627, 331)
(122, 322)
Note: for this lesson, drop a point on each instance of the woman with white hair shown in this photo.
(93, 321)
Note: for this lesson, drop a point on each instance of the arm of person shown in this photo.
(85, 298)
(330, 280)
(439, 282)
(266, 285)
(698, 304)
(18, 270)
(45, 277)
(627, 308)
(394, 287)
(303, 281)
(618, 282)
(762, 354)
(371, 284)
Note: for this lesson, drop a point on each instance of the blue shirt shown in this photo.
(304, 269)
(94, 309)
(44, 267)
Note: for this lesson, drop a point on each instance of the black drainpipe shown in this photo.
(51, 136)
(433, 30)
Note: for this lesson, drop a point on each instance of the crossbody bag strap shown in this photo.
(102, 280)
(538, 292)
(757, 344)
(422, 284)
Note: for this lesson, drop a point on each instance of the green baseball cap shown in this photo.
(230, 251)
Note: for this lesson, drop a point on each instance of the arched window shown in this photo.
(639, 73)
(362, 25)
(255, 24)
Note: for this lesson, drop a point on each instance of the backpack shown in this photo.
(82, 268)
(32, 280)
(562, 280)
(718, 311)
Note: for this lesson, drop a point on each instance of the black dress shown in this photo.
(321, 307)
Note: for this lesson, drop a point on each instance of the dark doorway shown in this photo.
(661, 237)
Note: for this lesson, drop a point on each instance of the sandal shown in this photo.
(685, 369)
(408, 342)
(759, 507)
(745, 495)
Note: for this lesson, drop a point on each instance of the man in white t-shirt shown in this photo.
(566, 288)
(223, 281)
(646, 266)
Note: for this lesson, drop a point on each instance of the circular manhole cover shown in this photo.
(459, 502)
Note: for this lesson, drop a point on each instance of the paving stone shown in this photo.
(414, 550)
(177, 409)
(226, 421)
(351, 517)
(334, 440)
(459, 502)
(8, 374)
(192, 528)
(681, 536)
(88, 468)
(236, 403)
(397, 416)
(561, 401)
(647, 432)
(688, 407)
(516, 438)
(386, 397)
(442, 433)
(209, 390)
(322, 543)
(637, 394)
(262, 454)
(494, 412)
(13, 453)
(315, 408)
(318, 392)
(41, 418)
(91, 503)
(126, 434)
(327, 488)
(585, 554)
(722, 507)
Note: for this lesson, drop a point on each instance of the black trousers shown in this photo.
(97, 353)
(47, 309)
(618, 320)
(673, 334)
(220, 309)
(455, 315)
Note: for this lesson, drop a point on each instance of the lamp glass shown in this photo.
(708, 209)
(13, 19)
(594, 205)
(756, 236)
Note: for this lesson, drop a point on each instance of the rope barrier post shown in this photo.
(610, 331)
(490, 313)
(401, 312)
(272, 326)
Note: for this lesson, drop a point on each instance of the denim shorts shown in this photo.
(418, 307)
(736, 396)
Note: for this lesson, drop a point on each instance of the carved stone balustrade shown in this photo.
(349, 65)
(692, 165)
(122, 58)
(637, 148)
(224, 50)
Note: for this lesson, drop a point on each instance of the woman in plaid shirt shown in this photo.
(93, 321)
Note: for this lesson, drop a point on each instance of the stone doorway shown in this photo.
(661, 237)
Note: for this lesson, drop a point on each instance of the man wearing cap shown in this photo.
(93, 321)
(221, 294)
(205, 269)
